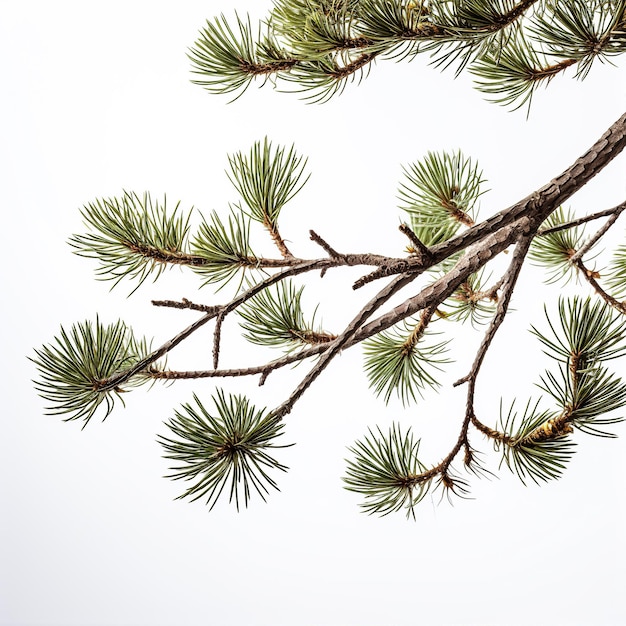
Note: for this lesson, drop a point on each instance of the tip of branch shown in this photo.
(325, 245)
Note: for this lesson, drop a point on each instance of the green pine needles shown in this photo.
(584, 391)
(317, 47)
(535, 444)
(386, 470)
(402, 360)
(228, 450)
(582, 386)
(132, 237)
(75, 368)
(440, 194)
(540, 447)
(267, 179)
(274, 317)
(439, 277)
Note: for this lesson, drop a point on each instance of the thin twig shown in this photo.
(121, 377)
(323, 244)
(217, 334)
(264, 369)
(496, 435)
(508, 282)
(590, 276)
(577, 222)
(186, 304)
(616, 211)
(418, 245)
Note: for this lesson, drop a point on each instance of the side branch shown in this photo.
(615, 212)
(264, 370)
(325, 246)
(186, 304)
(508, 285)
(591, 276)
(122, 377)
(419, 248)
(578, 221)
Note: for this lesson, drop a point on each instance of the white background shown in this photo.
(96, 98)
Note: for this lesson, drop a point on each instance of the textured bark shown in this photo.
(548, 198)
(485, 240)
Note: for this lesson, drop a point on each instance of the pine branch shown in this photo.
(227, 62)
(320, 46)
(502, 231)
(583, 389)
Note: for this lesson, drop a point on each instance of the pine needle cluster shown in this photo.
(538, 443)
(226, 451)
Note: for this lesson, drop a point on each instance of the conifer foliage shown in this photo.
(226, 448)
